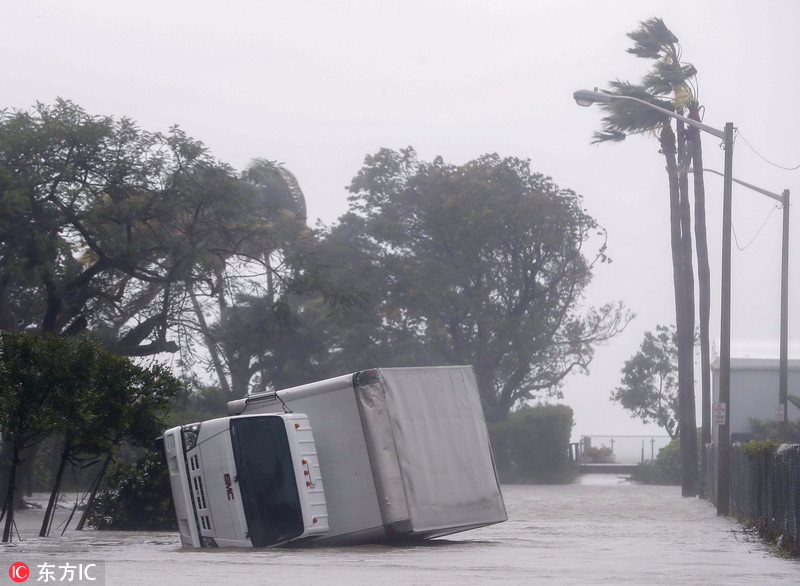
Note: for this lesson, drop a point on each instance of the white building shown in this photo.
(754, 392)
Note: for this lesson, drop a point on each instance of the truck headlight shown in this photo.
(190, 433)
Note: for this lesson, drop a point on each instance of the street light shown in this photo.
(783, 368)
(589, 97)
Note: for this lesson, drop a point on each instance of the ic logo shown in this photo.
(229, 487)
(19, 572)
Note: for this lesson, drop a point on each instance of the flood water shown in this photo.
(600, 531)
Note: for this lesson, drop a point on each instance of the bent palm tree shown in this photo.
(671, 77)
(247, 318)
(655, 41)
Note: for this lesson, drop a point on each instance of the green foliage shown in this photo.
(277, 341)
(143, 240)
(202, 403)
(532, 445)
(44, 458)
(758, 449)
(93, 401)
(601, 455)
(136, 498)
(36, 376)
(649, 386)
(105, 226)
(770, 430)
(666, 469)
(482, 263)
(651, 39)
(265, 332)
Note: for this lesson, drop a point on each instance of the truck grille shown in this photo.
(199, 493)
(205, 522)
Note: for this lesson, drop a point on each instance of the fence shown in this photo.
(620, 449)
(765, 489)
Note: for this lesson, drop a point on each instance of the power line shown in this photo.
(795, 168)
(758, 232)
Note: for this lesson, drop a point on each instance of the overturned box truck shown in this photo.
(388, 453)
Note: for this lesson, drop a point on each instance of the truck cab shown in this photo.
(246, 481)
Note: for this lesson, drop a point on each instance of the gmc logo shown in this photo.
(229, 487)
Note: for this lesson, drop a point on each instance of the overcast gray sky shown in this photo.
(317, 85)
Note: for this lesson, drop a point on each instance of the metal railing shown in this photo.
(620, 449)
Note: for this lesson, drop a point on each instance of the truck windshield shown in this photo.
(266, 480)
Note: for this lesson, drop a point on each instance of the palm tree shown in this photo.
(241, 319)
(671, 78)
(655, 41)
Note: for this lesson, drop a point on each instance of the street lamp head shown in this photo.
(589, 97)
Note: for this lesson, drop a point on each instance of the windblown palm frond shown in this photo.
(665, 77)
(280, 189)
(608, 136)
(651, 39)
(297, 194)
(630, 117)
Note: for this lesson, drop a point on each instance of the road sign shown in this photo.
(720, 413)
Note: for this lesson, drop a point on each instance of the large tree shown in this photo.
(146, 242)
(483, 263)
(106, 227)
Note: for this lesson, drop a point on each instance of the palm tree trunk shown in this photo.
(704, 294)
(688, 403)
(682, 323)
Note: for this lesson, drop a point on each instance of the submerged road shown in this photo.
(601, 531)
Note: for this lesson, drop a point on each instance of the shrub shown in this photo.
(665, 469)
(532, 445)
(601, 455)
(771, 431)
(758, 449)
(136, 498)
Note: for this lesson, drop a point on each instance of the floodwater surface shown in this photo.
(600, 531)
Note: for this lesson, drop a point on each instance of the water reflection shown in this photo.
(604, 480)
